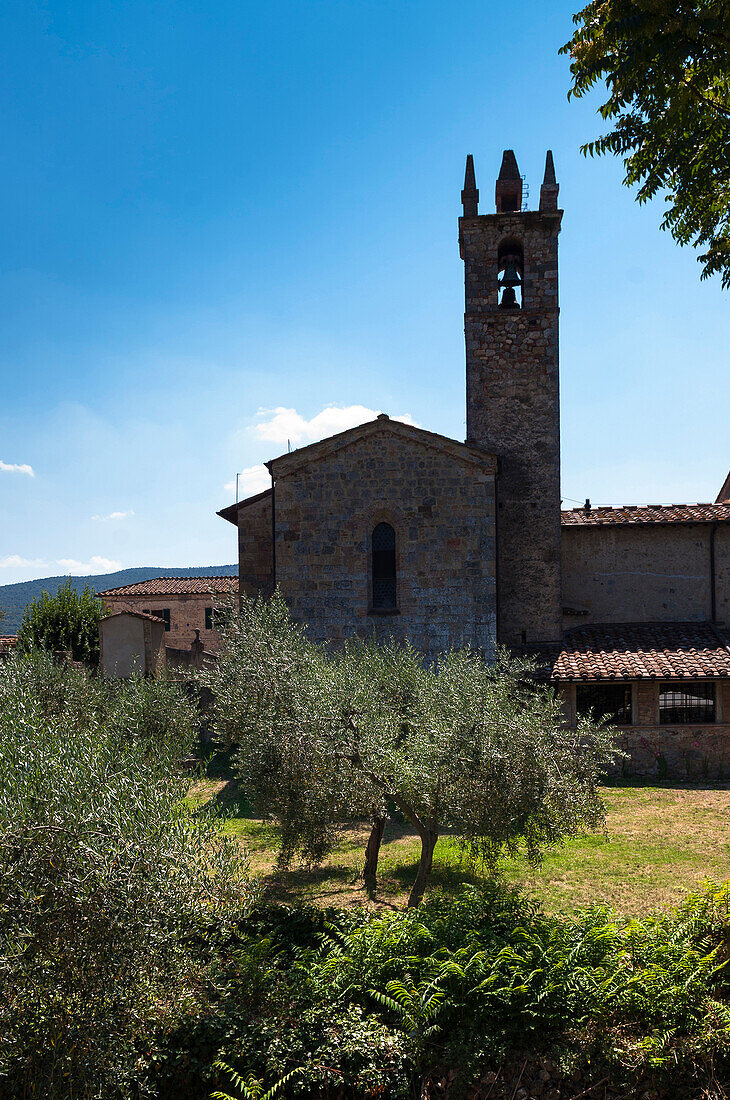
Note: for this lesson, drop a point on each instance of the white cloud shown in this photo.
(14, 561)
(254, 479)
(95, 564)
(115, 515)
(285, 424)
(16, 468)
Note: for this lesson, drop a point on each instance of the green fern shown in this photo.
(249, 1087)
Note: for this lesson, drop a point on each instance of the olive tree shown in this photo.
(323, 735)
(105, 879)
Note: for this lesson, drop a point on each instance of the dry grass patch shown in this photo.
(659, 843)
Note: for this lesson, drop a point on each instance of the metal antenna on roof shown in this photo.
(288, 444)
(236, 488)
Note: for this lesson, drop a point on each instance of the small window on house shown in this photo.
(686, 704)
(162, 613)
(612, 701)
(209, 618)
(383, 564)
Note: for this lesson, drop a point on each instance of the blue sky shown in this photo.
(213, 211)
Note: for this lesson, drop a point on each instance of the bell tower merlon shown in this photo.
(512, 390)
(508, 188)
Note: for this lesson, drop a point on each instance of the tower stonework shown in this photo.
(512, 391)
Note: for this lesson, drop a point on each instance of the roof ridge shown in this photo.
(636, 514)
(348, 436)
(182, 582)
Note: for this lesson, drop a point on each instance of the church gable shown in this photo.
(388, 532)
(407, 433)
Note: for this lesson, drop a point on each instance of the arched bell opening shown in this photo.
(510, 268)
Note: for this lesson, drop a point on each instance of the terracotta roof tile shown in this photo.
(646, 513)
(137, 615)
(175, 586)
(643, 651)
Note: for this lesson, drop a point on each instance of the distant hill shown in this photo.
(14, 597)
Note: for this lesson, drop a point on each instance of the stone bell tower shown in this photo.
(512, 392)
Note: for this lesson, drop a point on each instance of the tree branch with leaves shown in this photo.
(666, 67)
(324, 735)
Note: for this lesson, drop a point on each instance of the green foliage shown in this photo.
(105, 879)
(249, 1087)
(323, 736)
(666, 65)
(363, 1005)
(68, 621)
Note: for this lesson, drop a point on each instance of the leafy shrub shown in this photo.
(366, 1005)
(68, 621)
(105, 880)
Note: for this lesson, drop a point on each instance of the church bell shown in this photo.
(507, 281)
(510, 276)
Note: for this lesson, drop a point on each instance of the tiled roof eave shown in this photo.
(174, 586)
(616, 653)
(643, 515)
(632, 677)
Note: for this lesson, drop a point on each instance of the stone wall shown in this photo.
(647, 573)
(512, 396)
(684, 752)
(254, 545)
(440, 502)
(187, 614)
(693, 753)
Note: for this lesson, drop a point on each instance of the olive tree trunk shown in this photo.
(427, 832)
(372, 851)
(428, 836)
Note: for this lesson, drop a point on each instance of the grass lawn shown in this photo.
(659, 843)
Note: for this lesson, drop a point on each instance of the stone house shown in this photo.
(186, 606)
(391, 529)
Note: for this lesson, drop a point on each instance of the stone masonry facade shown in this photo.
(652, 572)
(513, 410)
(438, 496)
(687, 752)
(479, 551)
(187, 610)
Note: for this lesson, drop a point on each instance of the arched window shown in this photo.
(383, 559)
(510, 267)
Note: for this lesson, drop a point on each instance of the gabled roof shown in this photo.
(643, 651)
(460, 452)
(635, 514)
(231, 512)
(136, 615)
(174, 586)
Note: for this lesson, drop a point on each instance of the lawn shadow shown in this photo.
(642, 782)
(231, 801)
(293, 883)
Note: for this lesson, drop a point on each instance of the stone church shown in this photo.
(388, 529)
